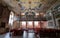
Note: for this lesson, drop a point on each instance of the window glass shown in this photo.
(23, 23)
(36, 23)
(30, 23)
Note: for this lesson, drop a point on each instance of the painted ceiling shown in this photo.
(30, 3)
(37, 5)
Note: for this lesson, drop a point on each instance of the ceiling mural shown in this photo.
(29, 3)
(35, 6)
(30, 6)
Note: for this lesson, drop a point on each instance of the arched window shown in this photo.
(11, 17)
(30, 24)
(23, 23)
(36, 24)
